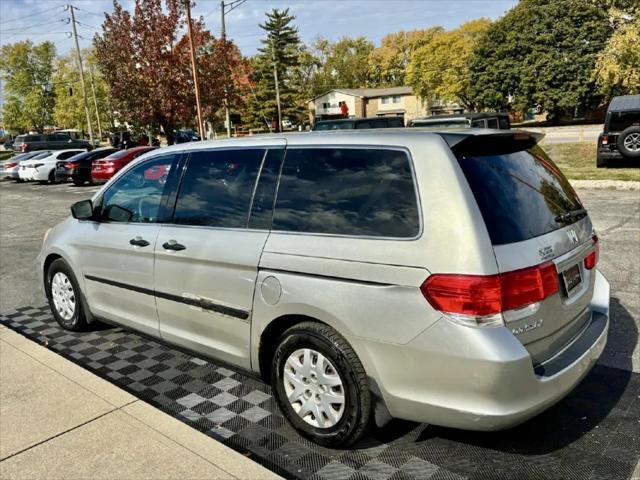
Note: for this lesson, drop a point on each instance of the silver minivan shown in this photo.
(447, 278)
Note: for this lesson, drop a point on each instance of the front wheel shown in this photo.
(320, 385)
(64, 296)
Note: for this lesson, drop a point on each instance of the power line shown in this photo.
(32, 15)
(5, 30)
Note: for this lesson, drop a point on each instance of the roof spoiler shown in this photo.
(493, 143)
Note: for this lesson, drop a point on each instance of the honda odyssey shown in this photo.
(447, 278)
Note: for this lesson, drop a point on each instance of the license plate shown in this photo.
(572, 278)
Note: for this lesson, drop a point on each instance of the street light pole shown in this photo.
(84, 88)
(275, 77)
(95, 101)
(193, 68)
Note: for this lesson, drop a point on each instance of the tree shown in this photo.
(27, 71)
(69, 108)
(342, 64)
(281, 48)
(440, 67)
(388, 63)
(617, 69)
(542, 52)
(145, 61)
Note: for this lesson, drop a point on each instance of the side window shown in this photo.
(347, 191)
(477, 123)
(504, 123)
(217, 188)
(492, 123)
(137, 195)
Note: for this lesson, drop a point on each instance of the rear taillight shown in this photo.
(481, 299)
(23, 147)
(70, 165)
(605, 139)
(10, 165)
(591, 260)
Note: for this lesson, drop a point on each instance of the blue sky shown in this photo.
(40, 20)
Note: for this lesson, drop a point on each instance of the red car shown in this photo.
(103, 169)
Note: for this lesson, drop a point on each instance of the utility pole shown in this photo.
(84, 87)
(95, 102)
(193, 68)
(275, 77)
(223, 30)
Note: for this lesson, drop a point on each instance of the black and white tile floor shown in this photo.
(592, 434)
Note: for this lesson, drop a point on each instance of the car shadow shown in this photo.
(595, 407)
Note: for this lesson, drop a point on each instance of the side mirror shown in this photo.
(82, 210)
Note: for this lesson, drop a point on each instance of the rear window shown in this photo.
(520, 194)
(119, 154)
(40, 155)
(347, 191)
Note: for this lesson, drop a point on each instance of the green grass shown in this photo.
(578, 162)
(5, 155)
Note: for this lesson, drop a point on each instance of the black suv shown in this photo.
(495, 120)
(621, 136)
(49, 141)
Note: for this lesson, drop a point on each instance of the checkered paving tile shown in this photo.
(594, 433)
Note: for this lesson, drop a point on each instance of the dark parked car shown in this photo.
(48, 141)
(184, 136)
(621, 136)
(495, 120)
(359, 123)
(78, 168)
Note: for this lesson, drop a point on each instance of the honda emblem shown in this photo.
(573, 236)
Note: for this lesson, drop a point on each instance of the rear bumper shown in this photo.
(610, 154)
(480, 379)
(9, 173)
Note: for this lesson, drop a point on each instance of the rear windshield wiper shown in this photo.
(571, 214)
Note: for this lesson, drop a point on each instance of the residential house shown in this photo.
(375, 102)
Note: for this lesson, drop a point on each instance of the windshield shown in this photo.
(521, 195)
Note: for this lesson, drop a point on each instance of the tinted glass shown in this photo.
(42, 154)
(621, 120)
(217, 188)
(33, 138)
(519, 194)
(335, 126)
(478, 123)
(492, 123)
(347, 192)
(262, 207)
(137, 195)
(396, 122)
(65, 155)
(119, 154)
(504, 123)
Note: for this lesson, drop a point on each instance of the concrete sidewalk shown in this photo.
(58, 421)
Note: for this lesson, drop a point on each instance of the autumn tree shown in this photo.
(440, 67)
(542, 52)
(281, 50)
(617, 69)
(144, 59)
(388, 62)
(27, 70)
(69, 107)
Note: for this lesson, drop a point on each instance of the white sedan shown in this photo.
(43, 169)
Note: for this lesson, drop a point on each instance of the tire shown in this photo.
(52, 177)
(629, 142)
(78, 183)
(601, 162)
(345, 423)
(60, 273)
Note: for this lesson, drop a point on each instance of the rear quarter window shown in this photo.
(347, 191)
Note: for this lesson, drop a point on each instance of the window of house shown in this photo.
(326, 105)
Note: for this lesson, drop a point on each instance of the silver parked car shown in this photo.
(442, 277)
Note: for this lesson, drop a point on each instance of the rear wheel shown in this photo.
(64, 296)
(52, 177)
(320, 385)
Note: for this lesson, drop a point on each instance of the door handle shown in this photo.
(139, 242)
(173, 245)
